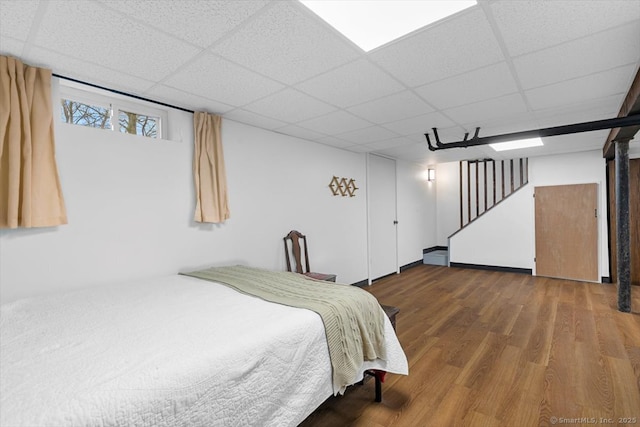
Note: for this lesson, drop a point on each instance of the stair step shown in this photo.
(436, 258)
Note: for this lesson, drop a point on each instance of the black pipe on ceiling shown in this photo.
(618, 122)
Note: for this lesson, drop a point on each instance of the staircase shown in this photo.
(436, 257)
(484, 183)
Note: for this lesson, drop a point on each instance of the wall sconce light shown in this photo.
(431, 174)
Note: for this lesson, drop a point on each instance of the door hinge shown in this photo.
(534, 259)
(395, 222)
(596, 212)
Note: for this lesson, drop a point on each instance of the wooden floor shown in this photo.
(501, 349)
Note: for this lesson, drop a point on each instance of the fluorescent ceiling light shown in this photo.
(514, 145)
(372, 23)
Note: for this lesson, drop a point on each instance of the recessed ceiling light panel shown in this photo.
(372, 23)
(515, 145)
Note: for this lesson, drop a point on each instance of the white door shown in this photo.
(383, 258)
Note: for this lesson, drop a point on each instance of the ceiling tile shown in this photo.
(81, 70)
(478, 85)
(598, 109)
(450, 47)
(392, 108)
(351, 84)
(16, 18)
(419, 124)
(287, 43)
(389, 143)
(584, 141)
(527, 26)
(335, 123)
(576, 58)
(359, 148)
(334, 142)
(186, 100)
(517, 122)
(582, 89)
(224, 82)
(253, 119)
(11, 47)
(290, 105)
(414, 153)
(196, 21)
(497, 108)
(299, 132)
(116, 42)
(366, 135)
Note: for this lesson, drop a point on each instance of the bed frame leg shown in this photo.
(378, 389)
(378, 381)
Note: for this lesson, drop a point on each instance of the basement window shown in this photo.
(93, 108)
(91, 115)
(138, 124)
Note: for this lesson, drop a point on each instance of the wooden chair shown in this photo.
(293, 239)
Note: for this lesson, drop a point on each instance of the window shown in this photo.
(79, 113)
(99, 109)
(138, 124)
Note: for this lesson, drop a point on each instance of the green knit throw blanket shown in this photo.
(353, 319)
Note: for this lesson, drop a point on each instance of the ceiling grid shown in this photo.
(504, 66)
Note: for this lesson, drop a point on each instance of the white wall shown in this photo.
(503, 237)
(506, 236)
(130, 207)
(416, 212)
(448, 201)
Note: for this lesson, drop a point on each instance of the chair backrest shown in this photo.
(294, 237)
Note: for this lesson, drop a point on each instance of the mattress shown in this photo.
(172, 351)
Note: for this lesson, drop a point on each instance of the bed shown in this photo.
(170, 351)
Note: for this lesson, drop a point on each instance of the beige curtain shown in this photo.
(208, 170)
(30, 193)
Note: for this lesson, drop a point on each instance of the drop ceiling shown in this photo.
(504, 66)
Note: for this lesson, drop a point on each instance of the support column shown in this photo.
(623, 244)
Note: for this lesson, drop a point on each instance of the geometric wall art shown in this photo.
(342, 187)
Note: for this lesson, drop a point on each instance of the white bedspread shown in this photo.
(173, 351)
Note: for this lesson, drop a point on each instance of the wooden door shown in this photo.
(383, 246)
(567, 231)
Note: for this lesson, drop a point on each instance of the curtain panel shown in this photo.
(30, 192)
(212, 203)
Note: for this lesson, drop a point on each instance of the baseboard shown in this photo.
(361, 283)
(606, 279)
(382, 277)
(410, 265)
(365, 282)
(434, 248)
(492, 267)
